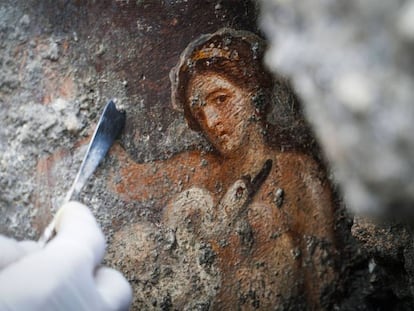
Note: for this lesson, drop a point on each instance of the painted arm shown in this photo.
(161, 180)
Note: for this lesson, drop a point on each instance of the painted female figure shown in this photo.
(266, 213)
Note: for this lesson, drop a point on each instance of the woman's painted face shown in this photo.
(222, 109)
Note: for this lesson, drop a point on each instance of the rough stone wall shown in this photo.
(352, 64)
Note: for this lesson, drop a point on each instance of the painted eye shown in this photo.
(221, 99)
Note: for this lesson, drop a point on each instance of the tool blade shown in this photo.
(108, 129)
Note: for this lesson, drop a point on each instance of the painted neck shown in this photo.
(253, 149)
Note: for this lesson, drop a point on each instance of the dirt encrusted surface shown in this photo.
(61, 61)
(50, 98)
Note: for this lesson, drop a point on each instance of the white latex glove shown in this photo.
(65, 274)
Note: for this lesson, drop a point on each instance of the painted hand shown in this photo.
(64, 275)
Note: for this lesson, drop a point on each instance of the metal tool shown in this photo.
(107, 130)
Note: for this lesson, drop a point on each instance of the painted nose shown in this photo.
(212, 117)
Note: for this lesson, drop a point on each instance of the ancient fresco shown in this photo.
(163, 195)
(245, 222)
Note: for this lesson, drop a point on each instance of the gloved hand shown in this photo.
(63, 275)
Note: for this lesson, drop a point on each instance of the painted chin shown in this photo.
(227, 144)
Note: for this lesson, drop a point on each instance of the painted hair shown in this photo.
(238, 56)
(235, 55)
